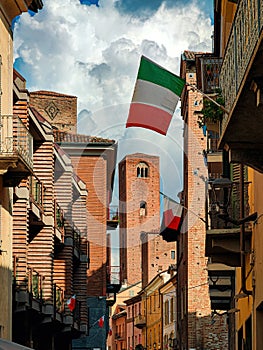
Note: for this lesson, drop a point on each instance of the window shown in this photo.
(172, 310)
(166, 312)
(142, 208)
(142, 170)
(173, 254)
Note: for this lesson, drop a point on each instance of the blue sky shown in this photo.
(93, 52)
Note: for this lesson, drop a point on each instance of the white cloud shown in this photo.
(94, 53)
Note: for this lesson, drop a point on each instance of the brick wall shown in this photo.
(196, 329)
(87, 168)
(58, 109)
(134, 190)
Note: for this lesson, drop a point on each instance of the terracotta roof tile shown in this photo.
(61, 136)
(50, 93)
(190, 55)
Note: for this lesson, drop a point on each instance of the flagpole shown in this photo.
(209, 98)
(199, 217)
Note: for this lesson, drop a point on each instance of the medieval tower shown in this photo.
(143, 253)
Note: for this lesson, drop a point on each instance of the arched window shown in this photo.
(142, 170)
(142, 208)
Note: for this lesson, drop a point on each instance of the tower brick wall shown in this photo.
(196, 328)
(143, 252)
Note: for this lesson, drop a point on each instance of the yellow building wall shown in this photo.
(152, 334)
(228, 10)
(6, 194)
(258, 263)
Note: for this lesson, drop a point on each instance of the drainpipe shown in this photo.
(242, 234)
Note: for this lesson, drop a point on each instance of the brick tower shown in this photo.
(139, 186)
(195, 328)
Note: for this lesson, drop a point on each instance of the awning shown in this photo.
(8, 345)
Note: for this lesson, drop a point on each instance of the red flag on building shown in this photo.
(71, 302)
(101, 321)
(171, 222)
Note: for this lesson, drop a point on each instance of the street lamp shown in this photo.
(222, 189)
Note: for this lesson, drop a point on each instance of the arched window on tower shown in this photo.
(142, 170)
(142, 208)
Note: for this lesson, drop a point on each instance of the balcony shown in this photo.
(119, 336)
(140, 321)
(59, 224)
(223, 239)
(36, 201)
(16, 150)
(76, 242)
(53, 309)
(113, 279)
(112, 218)
(28, 294)
(242, 86)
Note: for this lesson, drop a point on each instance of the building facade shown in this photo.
(195, 329)
(169, 314)
(238, 39)
(9, 155)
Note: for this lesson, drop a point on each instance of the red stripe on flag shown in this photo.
(149, 117)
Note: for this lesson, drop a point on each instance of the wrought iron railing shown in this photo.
(16, 139)
(59, 217)
(58, 298)
(36, 191)
(244, 35)
(76, 238)
(233, 209)
(35, 283)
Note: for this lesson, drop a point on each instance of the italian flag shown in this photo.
(172, 214)
(155, 97)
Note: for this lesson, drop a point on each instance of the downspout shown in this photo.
(242, 234)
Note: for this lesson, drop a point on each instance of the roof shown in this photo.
(62, 136)
(51, 93)
(190, 55)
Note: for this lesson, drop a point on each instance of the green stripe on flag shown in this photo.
(150, 71)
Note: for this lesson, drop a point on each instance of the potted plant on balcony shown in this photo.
(211, 112)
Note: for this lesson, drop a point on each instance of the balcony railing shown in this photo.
(35, 283)
(15, 139)
(233, 209)
(59, 218)
(112, 217)
(58, 298)
(119, 336)
(36, 191)
(76, 238)
(113, 213)
(140, 321)
(113, 279)
(242, 42)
